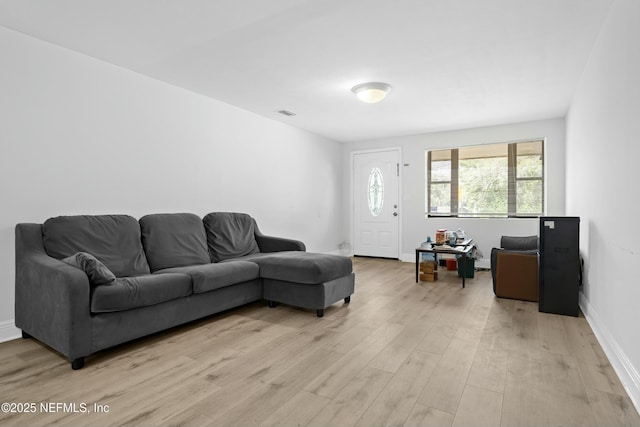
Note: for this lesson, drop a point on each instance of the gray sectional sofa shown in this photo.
(86, 283)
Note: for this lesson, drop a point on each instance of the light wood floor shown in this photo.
(428, 354)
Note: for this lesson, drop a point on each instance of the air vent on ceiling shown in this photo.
(286, 113)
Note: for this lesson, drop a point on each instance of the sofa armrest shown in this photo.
(278, 244)
(52, 298)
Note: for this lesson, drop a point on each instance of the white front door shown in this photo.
(376, 208)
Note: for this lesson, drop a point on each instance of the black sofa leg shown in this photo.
(320, 313)
(347, 300)
(77, 363)
(271, 304)
(25, 335)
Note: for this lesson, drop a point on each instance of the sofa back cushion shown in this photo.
(230, 235)
(174, 240)
(113, 239)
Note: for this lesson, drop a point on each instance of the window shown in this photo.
(375, 195)
(493, 180)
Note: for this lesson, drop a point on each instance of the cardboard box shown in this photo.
(427, 266)
(429, 277)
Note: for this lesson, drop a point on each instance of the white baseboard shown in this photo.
(408, 257)
(8, 331)
(627, 373)
(338, 252)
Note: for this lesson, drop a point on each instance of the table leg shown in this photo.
(417, 264)
(435, 262)
(464, 268)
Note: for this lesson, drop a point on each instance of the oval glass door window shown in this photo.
(375, 195)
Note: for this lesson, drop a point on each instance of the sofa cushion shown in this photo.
(112, 239)
(303, 267)
(230, 235)
(173, 240)
(97, 272)
(249, 257)
(213, 276)
(141, 291)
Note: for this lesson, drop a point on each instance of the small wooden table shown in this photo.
(462, 250)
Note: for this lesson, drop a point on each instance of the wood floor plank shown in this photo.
(552, 333)
(613, 409)
(562, 375)
(489, 370)
(259, 406)
(438, 338)
(169, 401)
(395, 402)
(600, 377)
(262, 362)
(498, 330)
(523, 405)
(525, 336)
(569, 410)
(478, 407)
(187, 419)
(172, 389)
(424, 416)
(524, 393)
(402, 353)
(351, 402)
(342, 341)
(298, 411)
(580, 339)
(444, 389)
(394, 355)
(336, 377)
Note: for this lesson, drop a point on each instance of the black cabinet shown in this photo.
(559, 265)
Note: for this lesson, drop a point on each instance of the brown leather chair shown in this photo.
(514, 268)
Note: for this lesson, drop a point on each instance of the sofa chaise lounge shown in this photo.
(87, 283)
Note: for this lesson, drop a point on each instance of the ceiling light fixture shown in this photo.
(371, 92)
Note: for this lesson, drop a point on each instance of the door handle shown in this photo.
(395, 214)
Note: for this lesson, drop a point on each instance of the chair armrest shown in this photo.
(52, 298)
(494, 259)
(516, 275)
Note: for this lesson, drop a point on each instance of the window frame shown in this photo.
(512, 182)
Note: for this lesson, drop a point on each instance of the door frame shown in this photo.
(352, 192)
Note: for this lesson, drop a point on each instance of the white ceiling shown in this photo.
(452, 63)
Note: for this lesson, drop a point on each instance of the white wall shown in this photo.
(603, 149)
(486, 232)
(80, 136)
